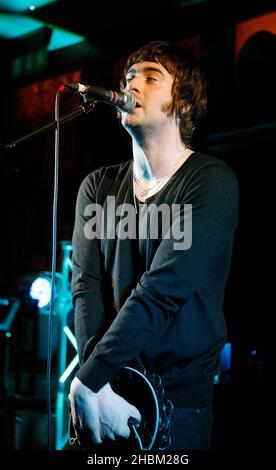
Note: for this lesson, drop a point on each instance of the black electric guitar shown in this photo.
(146, 393)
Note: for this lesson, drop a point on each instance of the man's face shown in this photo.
(151, 84)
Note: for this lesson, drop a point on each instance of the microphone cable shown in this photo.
(54, 257)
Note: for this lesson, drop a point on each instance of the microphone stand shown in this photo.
(84, 108)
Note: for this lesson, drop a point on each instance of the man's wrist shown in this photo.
(95, 373)
(106, 389)
(77, 386)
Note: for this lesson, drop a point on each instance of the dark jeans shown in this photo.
(191, 428)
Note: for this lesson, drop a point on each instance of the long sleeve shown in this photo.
(174, 276)
(86, 283)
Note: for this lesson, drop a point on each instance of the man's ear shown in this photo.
(185, 109)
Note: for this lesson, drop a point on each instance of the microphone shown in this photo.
(124, 101)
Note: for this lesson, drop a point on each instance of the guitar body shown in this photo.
(147, 395)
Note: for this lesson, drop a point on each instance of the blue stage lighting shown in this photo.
(41, 290)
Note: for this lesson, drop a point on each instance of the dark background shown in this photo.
(239, 128)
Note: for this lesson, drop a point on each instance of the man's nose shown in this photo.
(135, 84)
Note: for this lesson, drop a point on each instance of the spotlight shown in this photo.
(40, 290)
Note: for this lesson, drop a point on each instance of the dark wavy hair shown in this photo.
(189, 88)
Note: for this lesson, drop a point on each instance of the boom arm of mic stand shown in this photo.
(82, 109)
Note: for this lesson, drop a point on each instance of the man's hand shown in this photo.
(114, 413)
(104, 413)
(84, 410)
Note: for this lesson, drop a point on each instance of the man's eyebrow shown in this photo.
(145, 69)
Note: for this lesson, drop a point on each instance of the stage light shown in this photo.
(61, 38)
(70, 336)
(253, 352)
(41, 290)
(69, 369)
(20, 6)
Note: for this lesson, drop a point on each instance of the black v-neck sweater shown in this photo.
(143, 300)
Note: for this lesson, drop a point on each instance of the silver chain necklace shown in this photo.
(145, 191)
